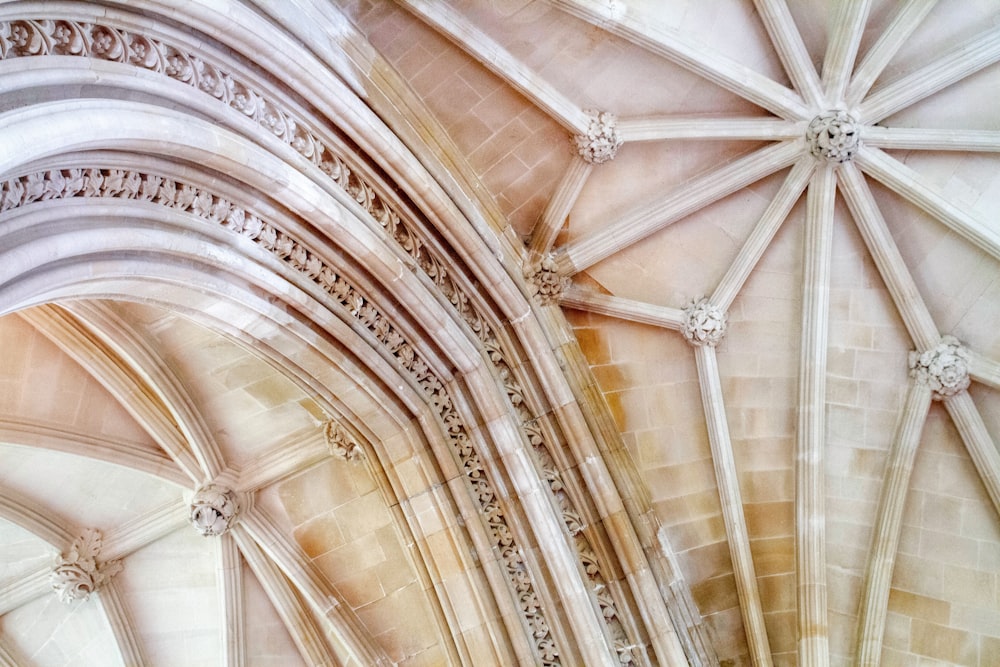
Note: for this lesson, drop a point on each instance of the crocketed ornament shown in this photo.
(214, 509)
(704, 323)
(944, 368)
(833, 136)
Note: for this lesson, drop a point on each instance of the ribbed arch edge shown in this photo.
(537, 338)
(239, 306)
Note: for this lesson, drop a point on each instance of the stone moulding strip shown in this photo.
(26, 38)
(132, 185)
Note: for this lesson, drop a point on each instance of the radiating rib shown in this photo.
(792, 51)
(975, 54)
(37, 520)
(230, 575)
(143, 530)
(66, 333)
(908, 16)
(46, 436)
(686, 199)
(122, 624)
(978, 441)
(847, 24)
(930, 140)
(905, 295)
(19, 591)
(624, 309)
(888, 522)
(732, 505)
(678, 47)
(694, 127)
(810, 511)
(912, 187)
(559, 206)
(984, 370)
(492, 55)
(763, 233)
(314, 588)
(307, 634)
(130, 346)
(286, 459)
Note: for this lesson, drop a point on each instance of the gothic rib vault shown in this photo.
(558, 332)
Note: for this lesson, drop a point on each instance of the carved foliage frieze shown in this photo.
(79, 573)
(599, 144)
(133, 185)
(25, 38)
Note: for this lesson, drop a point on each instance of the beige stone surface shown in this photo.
(233, 232)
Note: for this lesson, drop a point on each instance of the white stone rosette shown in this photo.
(214, 509)
(704, 323)
(944, 368)
(78, 573)
(601, 141)
(833, 136)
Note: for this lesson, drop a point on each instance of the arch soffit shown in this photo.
(387, 268)
(197, 288)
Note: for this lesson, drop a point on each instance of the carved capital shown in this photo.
(341, 443)
(78, 573)
(944, 368)
(214, 509)
(704, 323)
(545, 283)
(833, 136)
(601, 142)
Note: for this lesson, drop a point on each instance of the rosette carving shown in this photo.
(78, 573)
(214, 509)
(341, 443)
(704, 323)
(944, 368)
(544, 281)
(833, 136)
(601, 141)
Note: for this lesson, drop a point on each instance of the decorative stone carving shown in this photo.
(704, 323)
(214, 509)
(833, 136)
(944, 368)
(78, 573)
(601, 142)
(545, 283)
(132, 185)
(341, 443)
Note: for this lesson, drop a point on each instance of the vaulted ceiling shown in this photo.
(622, 332)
